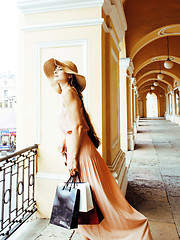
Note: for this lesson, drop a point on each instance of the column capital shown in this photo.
(133, 81)
(171, 92)
(124, 62)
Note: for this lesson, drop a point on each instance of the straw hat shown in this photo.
(68, 67)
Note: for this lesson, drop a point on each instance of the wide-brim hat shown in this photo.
(68, 67)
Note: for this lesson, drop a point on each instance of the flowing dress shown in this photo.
(121, 221)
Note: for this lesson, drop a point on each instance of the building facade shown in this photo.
(8, 95)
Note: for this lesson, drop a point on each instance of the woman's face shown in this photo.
(60, 75)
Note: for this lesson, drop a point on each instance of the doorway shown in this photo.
(151, 105)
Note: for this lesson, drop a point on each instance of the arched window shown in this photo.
(151, 105)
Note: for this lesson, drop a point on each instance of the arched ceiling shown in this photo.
(148, 25)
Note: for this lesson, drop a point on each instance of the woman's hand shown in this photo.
(62, 147)
(73, 166)
(63, 151)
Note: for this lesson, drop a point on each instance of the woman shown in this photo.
(121, 220)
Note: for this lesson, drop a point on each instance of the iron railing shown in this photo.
(17, 189)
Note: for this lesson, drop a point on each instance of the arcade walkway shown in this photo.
(154, 184)
(154, 177)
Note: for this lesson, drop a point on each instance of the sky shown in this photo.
(8, 36)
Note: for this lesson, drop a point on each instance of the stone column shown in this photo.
(130, 126)
(124, 64)
(159, 105)
(137, 108)
(179, 101)
(167, 104)
(173, 102)
(140, 107)
(134, 104)
(173, 106)
(129, 115)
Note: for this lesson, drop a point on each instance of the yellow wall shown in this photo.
(97, 57)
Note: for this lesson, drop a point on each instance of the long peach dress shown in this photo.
(121, 220)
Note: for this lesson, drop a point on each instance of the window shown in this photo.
(6, 103)
(151, 105)
(5, 93)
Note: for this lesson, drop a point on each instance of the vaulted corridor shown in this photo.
(154, 176)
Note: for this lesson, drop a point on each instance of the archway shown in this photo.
(151, 105)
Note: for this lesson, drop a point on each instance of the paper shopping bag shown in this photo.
(91, 217)
(86, 201)
(66, 207)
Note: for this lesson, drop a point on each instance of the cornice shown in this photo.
(116, 12)
(121, 13)
(80, 23)
(38, 6)
(113, 8)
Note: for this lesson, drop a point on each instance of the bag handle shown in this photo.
(68, 182)
(72, 181)
(77, 176)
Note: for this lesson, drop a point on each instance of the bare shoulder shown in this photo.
(69, 97)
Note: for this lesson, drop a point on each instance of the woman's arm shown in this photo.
(62, 148)
(73, 114)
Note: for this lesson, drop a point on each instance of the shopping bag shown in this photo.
(91, 217)
(66, 207)
(86, 201)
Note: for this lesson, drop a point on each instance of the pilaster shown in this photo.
(119, 171)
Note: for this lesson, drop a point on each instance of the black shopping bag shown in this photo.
(66, 207)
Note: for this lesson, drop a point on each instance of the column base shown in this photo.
(131, 140)
(173, 118)
(136, 126)
(119, 171)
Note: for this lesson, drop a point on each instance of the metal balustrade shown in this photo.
(17, 189)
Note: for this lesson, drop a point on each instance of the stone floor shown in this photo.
(153, 188)
(154, 177)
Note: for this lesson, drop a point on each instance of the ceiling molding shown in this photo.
(141, 90)
(154, 35)
(157, 71)
(153, 79)
(147, 90)
(156, 59)
(170, 30)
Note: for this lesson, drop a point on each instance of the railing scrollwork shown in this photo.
(17, 188)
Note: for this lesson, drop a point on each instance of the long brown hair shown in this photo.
(91, 133)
